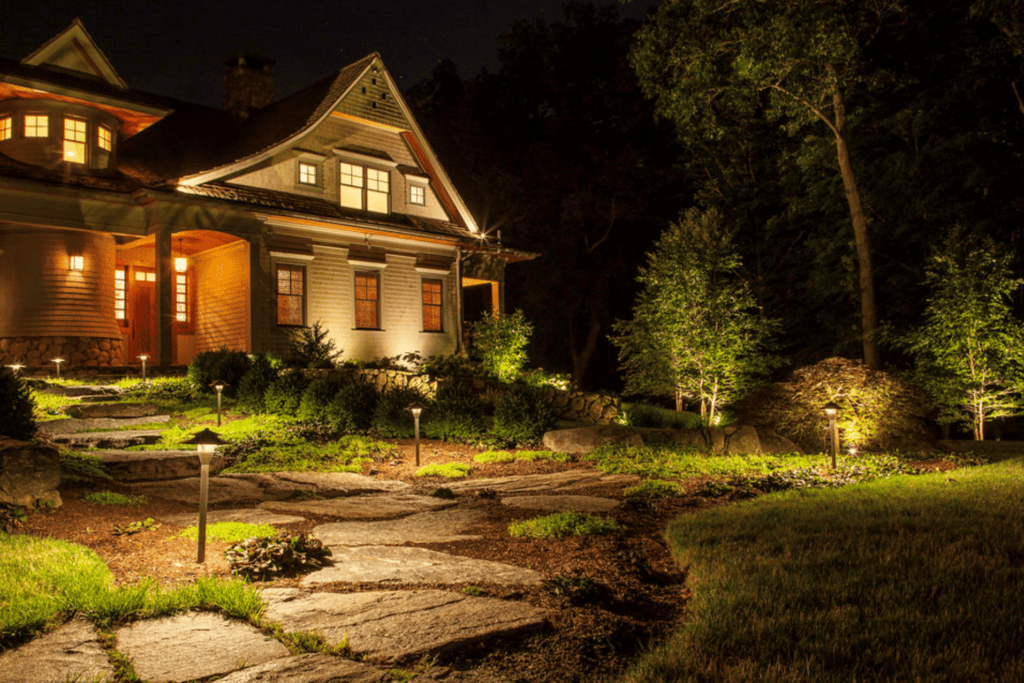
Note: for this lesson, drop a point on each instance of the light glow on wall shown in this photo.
(77, 262)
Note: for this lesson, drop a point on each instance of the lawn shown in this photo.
(905, 579)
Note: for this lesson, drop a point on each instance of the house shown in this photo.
(132, 224)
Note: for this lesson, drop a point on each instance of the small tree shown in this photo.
(311, 347)
(499, 342)
(968, 351)
(695, 334)
(16, 405)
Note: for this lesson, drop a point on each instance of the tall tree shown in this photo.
(799, 60)
(696, 333)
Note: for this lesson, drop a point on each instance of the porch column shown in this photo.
(164, 312)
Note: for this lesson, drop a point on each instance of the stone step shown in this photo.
(74, 425)
(445, 526)
(563, 481)
(83, 390)
(138, 466)
(363, 507)
(123, 439)
(243, 516)
(271, 486)
(72, 652)
(112, 410)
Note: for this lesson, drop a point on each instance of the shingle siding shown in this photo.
(222, 298)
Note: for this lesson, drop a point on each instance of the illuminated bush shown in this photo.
(263, 370)
(877, 410)
(500, 344)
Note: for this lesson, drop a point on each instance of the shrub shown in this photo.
(113, 498)
(223, 364)
(285, 393)
(521, 415)
(449, 470)
(455, 415)
(499, 342)
(263, 370)
(311, 348)
(562, 524)
(273, 555)
(352, 408)
(16, 406)
(317, 398)
(877, 410)
(641, 415)
(654, 488)
(391, 417)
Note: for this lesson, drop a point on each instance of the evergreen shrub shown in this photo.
(521, 415)
(222, 364)
(263, 370)
(16, 406)
(317, 398)
(391, 417)
(285, 393)
(311, 347)
(351, 409)
(455, 415)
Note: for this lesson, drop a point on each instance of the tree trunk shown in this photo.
(581, 359)
(868, 314)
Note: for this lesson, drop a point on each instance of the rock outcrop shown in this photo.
(29, 473)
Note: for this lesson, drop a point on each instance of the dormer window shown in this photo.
(104, 138)
(307, 173)
(417, 195)
(6, 128)
(74, 140)
(37, 126)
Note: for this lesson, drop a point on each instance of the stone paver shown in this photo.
(363, 507)
(74, 425)
(322, 484)
(83, 390)
(444, 526)
(394, 626)
(129, 437)
(127, 466)
(72, 652)
(386, 564)
(112, 410)
(194, 645)
(311, 668)
(222, 490)
(562, 503)
(556, 481)
(244, 515)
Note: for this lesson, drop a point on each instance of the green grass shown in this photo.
(270, 428)
(653, 488)
(451, 470)
(43, 581)
(906, 579)
(80, 467)
(50, 407)
(113, 498)
(231, 532)
(345, 455)
(562, 524)
(526, 456)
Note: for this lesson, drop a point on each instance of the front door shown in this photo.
(141, 307)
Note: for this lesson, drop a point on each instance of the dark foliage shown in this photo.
(285, 393)
(263, 370)
(16, 404)
(224, 364)
(312, 348)
(457, 414)
(317, 398)
(521, 415)
(257, 558)
(391, 417)
(352, 408)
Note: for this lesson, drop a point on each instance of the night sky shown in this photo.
(177, 48)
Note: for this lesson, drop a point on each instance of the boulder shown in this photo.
(735, 439)
(775, 444)
(586, 439)
(29, 473)
(154, 465)
(116, 410)
(122, 439)
(71, 653)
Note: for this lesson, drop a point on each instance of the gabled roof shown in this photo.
(73, 49)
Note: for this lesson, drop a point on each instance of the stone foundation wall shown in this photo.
(77, 352)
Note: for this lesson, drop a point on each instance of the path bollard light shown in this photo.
(57, 362)
(219, 385)
(16, 368)
(206, 443)
(416, 410)
(831, 410)
(143, 358)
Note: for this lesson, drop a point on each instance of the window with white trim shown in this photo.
(432, 305)
(368, 300)
(120, 294)
(417, 195)
(291, 295)
(74, 140)
(6, 128)
(365, 188)
(104, 138)
(37, 126)
(307, 173)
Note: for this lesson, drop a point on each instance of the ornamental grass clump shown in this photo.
(562, 524)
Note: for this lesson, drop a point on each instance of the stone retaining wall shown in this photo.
(89, 352)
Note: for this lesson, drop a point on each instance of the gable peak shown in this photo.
(73, 49)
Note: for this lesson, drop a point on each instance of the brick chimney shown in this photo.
(248, 84)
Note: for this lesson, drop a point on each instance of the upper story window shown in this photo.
(74, 140)
(104, 138)
(365, 188)
(6, 128)
(37, 126)
(307, 173)
(417, 195)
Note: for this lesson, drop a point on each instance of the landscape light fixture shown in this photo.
(832, 410)
(206, 443)
(57, 362)
(143, 357)
(416, 409)
(219, 385)
(16, 367)
(77, 262)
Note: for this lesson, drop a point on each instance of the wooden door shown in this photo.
(141, 317)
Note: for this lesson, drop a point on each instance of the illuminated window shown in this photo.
(291, 295)
(104, 138)
(365, 188)
(181, 297)
(367, 301)
(142, 276)
(6, 128)
(74, 140)
(417, 195)
(37, 126)
(307, 173)
(432, 305)
(120, 290)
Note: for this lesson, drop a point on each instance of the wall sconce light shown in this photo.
(77, 262)
(416, 409)
(57, 362)
(831, 411)
(180, 264)
(206, 443)
(219, 385)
